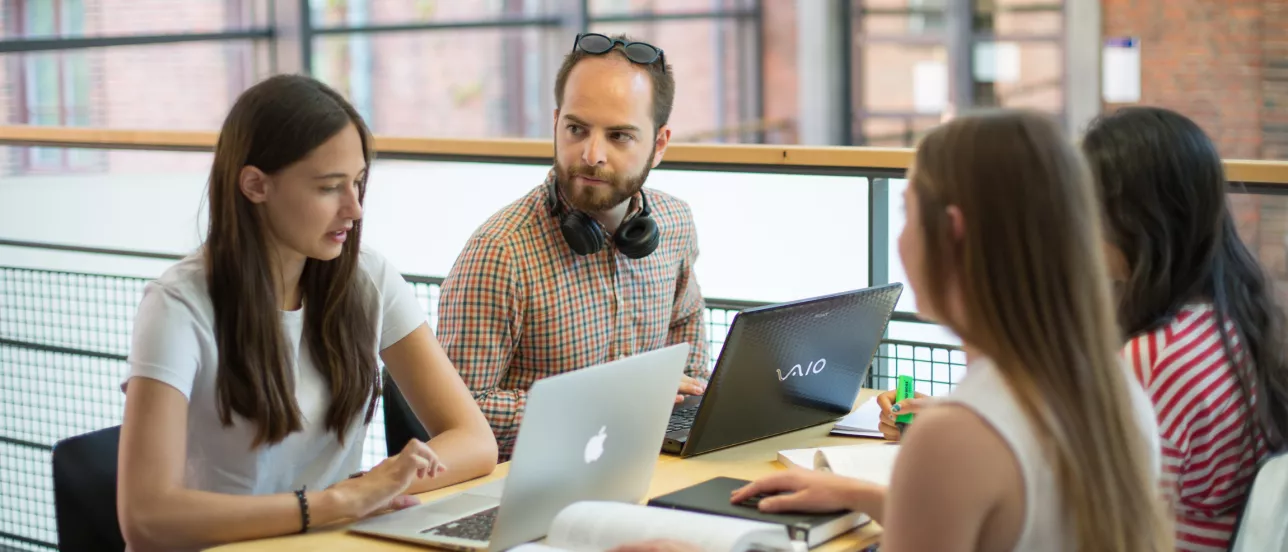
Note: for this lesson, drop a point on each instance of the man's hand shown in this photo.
(689, 386)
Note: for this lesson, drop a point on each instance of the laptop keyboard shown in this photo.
(682, 419)
(476, 526)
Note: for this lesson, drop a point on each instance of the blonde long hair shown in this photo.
(1036, 299)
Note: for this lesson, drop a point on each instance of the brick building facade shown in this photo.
(1224, 64)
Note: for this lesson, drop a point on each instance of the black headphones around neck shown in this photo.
(636, 238)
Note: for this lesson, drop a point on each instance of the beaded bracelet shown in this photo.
(304, 508)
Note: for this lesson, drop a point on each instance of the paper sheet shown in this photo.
(873, 463)
(803, 458)
(866, 420)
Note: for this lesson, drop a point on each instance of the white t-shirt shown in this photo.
(174, 343)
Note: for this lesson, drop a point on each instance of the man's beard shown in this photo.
(598, 198)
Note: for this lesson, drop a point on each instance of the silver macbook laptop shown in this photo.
(591, 434)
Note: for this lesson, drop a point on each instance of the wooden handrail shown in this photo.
(1272, 173)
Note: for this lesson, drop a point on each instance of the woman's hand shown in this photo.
(383, 486)
(889, 412)
(801, 490)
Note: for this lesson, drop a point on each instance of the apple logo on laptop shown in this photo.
(595, 446)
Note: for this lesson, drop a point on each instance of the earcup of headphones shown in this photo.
(638, 237)
(581, 233)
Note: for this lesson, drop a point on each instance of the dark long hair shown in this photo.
(1163, 188)
(272, 125)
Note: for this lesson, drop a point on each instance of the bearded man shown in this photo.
(590, 266)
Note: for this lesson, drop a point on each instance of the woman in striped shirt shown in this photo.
(1183, 273)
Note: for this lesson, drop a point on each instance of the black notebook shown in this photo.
(712, 497)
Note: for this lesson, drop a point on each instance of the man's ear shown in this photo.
(555, 122)
(253, 184)
(659, 144)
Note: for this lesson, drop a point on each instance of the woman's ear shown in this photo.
(956, 222)
(253, 184)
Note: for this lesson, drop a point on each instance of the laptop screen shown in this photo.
(792, 365)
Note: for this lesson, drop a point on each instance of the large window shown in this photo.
(487, 69)
(50, 88)
(136, 64)
(916, 62)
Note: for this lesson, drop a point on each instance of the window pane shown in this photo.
(186, 86)
(1263, 224)
(903, 78)
(41, 19)
(714, 95)
(1020, 17)
(884, 18)
(383, 12)
(42, 96)
(1023, 74)
(76, 18)
(893, 131)
(482, 83)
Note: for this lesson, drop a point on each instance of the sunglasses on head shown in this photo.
(638, 52)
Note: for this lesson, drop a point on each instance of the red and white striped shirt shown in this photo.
(1209, 458)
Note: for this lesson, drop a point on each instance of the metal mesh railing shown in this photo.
(934, 368)
(64, 338)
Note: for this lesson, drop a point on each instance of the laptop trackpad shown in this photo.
(428, 514)
(459, 505)
(491, 489)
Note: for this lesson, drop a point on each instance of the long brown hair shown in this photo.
(1163, 189)
(1037, 301)
(271, 126)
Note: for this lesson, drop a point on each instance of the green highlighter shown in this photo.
(903, 390)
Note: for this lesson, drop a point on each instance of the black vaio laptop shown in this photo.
(785, 367)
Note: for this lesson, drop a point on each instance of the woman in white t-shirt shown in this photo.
(253, 367)
(1047, 443)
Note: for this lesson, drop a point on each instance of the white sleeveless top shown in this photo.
(1044, 529)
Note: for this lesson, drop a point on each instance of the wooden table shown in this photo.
(749, 461)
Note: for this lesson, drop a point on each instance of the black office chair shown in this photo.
(401, 424)
(1262, 525)
(85, 492)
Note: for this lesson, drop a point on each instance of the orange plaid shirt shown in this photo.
(519, 305)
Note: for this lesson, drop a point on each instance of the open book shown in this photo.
(594, 526)
(874, 462)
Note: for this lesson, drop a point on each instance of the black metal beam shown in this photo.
(583, 16)
(732, 304)
(846, 62)
(26, 444)
(429, 280)
(93, 250)
(684, 16)
(758, 66)
(28, 540)
(306, 36)
(46, 44)
(507, 22)
(61, 350)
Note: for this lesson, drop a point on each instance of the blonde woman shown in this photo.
(1048, 443)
